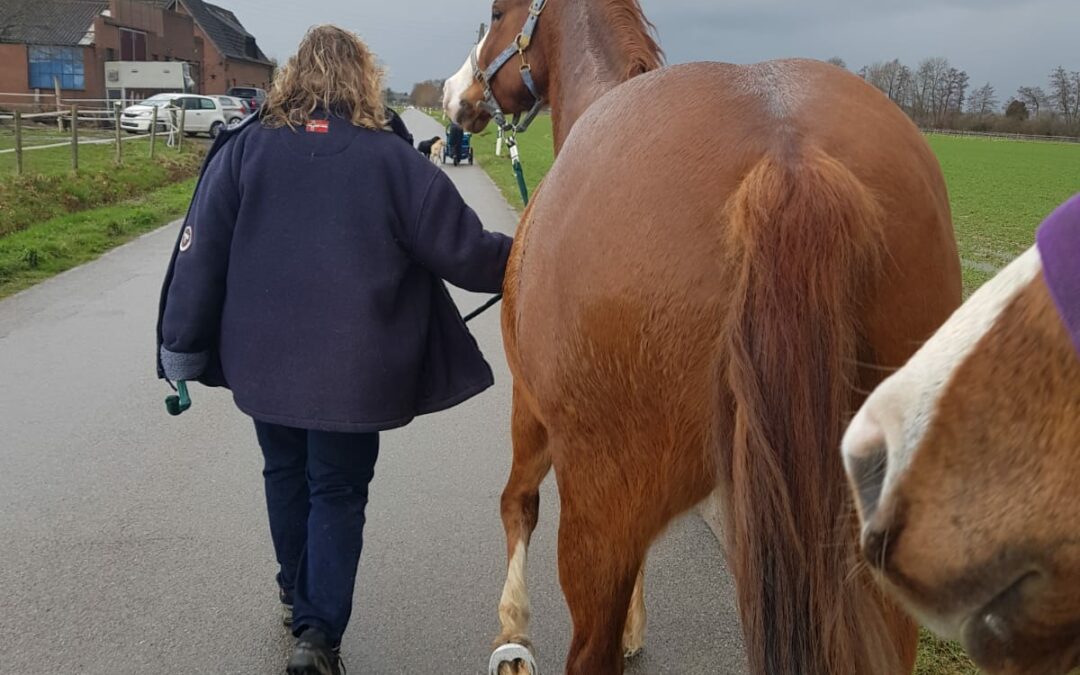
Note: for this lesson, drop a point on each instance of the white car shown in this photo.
(202, 114)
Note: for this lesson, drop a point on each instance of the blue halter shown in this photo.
(487, 76)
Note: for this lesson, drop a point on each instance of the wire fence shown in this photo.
(24, 131)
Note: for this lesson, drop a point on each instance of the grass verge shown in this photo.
(48, 189)
(537, 155)
(61, 243)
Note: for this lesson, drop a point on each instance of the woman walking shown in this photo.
(308, 279)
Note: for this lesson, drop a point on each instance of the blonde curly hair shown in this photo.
(332, 69)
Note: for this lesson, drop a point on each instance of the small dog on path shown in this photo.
(425, 147)
(437, 151)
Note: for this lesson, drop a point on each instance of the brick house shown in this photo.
(230, 57)
(71, 40)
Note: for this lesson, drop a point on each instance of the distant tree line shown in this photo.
(938, 95)
(427, 94)
(395, 98)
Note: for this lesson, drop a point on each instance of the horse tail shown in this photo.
(806, 237)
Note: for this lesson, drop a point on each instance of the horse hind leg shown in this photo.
(520, 510)
(598, 568)
(613, 508)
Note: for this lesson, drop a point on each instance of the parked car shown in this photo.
(136, 118)
(253, 96)
(235, 109)
(202, 114)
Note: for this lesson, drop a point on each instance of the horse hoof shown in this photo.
(512, 659)
(631, 652)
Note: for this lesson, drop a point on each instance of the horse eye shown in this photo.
(495, 15)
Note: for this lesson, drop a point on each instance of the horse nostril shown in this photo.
(875, 544)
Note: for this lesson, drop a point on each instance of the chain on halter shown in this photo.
(487, 76)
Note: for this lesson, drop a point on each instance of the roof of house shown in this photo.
(225, 30)
(66, 22)
(48, 22)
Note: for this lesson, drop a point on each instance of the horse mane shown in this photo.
(635, 36)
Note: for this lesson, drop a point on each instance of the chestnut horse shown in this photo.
(967, 466)
(677, 324)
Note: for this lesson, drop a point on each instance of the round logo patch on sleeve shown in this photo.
(185, 239)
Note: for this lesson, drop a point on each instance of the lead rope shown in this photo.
(519, 173)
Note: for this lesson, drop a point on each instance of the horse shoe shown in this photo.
(509, 653)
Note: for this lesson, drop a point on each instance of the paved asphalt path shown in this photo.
(132, 542)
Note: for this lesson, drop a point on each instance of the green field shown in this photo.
(999, 190)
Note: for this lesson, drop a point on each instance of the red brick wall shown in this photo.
(14, 71)
(15, 79)
(218, 73)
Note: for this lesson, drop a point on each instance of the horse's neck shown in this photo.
(587, 65)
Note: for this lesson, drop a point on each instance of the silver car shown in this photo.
(233, 108)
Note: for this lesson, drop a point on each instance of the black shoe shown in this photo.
(313, 655)
(286, 607)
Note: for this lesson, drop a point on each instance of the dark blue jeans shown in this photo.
(316, 492)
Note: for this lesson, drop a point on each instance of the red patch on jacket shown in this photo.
(318, 126)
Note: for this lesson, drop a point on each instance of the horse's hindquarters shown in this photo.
(625, 298)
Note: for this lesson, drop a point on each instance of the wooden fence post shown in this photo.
(75, 139)
(153, 130)
(119, 145)
(18, 143)
(180, 131)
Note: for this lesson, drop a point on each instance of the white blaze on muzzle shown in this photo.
(455, 88)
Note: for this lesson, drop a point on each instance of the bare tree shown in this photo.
(951, 94)
(891, 77)
(1034, 99)
(983, 101)
(1063, 93)
(838, 62)
(930, 89)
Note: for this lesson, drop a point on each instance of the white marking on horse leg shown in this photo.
(514, 617)
(899, 412)
(458, 84)
(514, 603)
(633, 639)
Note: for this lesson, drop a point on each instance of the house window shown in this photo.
(63, 63)
(132, 45)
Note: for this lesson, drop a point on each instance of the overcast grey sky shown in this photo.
(1007, 42)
